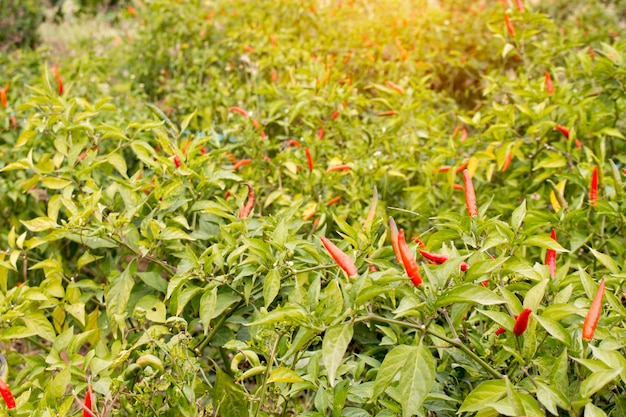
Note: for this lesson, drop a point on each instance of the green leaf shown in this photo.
(117, 294)
(551, 398)
(518, 215)
(416, 379)
(334, 345)
(469, 293)
(40, 325)
(545, 242)
(606, 260)
(486, 393)
(597, 380)
(555, 329)
(39, 224)
(229, 399)
(271, 286)
(282, 374)
(207, 307)
(118, 162)
(392, 364)
(53, 183)
(292, 315)
(593, 411)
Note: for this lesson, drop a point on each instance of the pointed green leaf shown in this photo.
(334, 345)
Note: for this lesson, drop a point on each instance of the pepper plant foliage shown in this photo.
(127, 266)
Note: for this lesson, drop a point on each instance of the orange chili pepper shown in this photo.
(241, 163)
(593, 315)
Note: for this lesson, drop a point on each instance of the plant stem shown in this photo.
(424, 329)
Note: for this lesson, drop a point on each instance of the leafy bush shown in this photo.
(19, 23)
(132, 266)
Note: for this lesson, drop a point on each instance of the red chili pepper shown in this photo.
(244, 211)
(500, 331)
(461, 167)
(250, 49)
(408, 260)
(444, 168)
(509, 25)
(549, 83)
(309, 158)
(387, 113)
(131, 10)
(507, 161)
(457, 187)
(55, 74)
(521, 323)
(273, 41)
(334, 115)
(439, 259)
(13, 122)
(3, 95)
(420, 244)
(394, 86)
(551, 256)
(563, 130)
(520, 5)
(344, 261)
(463, 133)
(241, 163)
(87, 406)
(591, 321)
(6, 394)
(593, 191)
(203, 151)
(333, 201)
(470, 196)
(292, 142)
(274, 76)
(255, 123)
(320, 133)
(263, 135)
(239, 110)
(231, 157)
(340, 167)
(393, 234)
(177, 161)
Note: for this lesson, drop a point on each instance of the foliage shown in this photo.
(127, 266)
(18, 24)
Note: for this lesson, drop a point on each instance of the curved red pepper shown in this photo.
(245, 210)
(509, 25)
(341, 258)
(439, 259)
(5, 391)
(521, 323)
